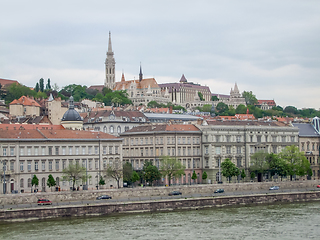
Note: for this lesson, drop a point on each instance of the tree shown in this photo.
(222, 108)
(194, 176)
(171, 167)
(127, 172)
(51, 182)
(242, 109)
(214, 98)
(114, 172)
(37, 88)
(252, 175)
(200, 96)
(135, 177)
(290, 110)
(48, 86)
(259, 164)
(150, 173)
(229, 169)
(102, 182)
(41, 84)
(35, 181)
(297, 162)
(243, 174)
(250, 98)
(204, 176)
(73, 173)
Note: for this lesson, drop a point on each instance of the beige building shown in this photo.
(309, 143)
(150, 143)
(55, 110)
(28, 152)
(24, 106)
(238, 140)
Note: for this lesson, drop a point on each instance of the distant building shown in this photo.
(266, 104)
(172, 118)
(24, 106)
(71, 118)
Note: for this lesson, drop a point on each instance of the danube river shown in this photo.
(279, 221)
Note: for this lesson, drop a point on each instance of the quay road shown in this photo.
(164, 197)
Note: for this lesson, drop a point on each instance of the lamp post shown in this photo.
(4, 177)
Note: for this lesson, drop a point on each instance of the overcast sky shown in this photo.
(269, 47)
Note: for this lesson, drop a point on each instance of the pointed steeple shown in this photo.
(183, 79)
(236, 88)
(122, 78)
(140, 74)
(110, 67)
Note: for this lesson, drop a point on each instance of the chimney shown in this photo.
(170, 111)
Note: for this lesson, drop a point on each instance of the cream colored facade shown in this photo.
(23, 110)
(238, 140)
(25, 157)
(55, 110)
(150, 143)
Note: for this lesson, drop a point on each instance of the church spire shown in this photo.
(110, 67)
(140, 74)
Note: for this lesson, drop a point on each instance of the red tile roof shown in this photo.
(4, 82)
(25, 101)
(246, 123)
(53, 134)
(30, 126)
(164, 128)
(269, 102)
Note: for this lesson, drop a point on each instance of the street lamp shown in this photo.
(4, 177)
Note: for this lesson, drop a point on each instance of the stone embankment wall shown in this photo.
(151, 206)
(23, 198)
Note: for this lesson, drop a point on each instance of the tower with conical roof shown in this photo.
(110, 67)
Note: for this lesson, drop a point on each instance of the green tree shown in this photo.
(171, 167)
(113, 171)
(243, 174)
(37, 88)
(150, 173)
(259, 164)
(48, 86)
(214, 98)
(194, 176)
(73, 173)
(252, 175)
(290, 110)
(35, 181)
(135, 177)
(41, 84)
(206, 108)
(200, 96)
(297, 162)
(222, 108)
(250, 98)
(101, 181)
(127, 172)
(204, 176)
(51, 182)
(242, 109)
(229, 169)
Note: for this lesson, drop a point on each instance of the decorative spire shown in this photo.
(183, 79)
(110, 45)
(236, 88)
(122, 78)
(71, 105)
(140, 74)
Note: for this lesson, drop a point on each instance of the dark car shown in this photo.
(274, 188)
(175, 193)
(104, 197)
(220, 190)
(43, 201)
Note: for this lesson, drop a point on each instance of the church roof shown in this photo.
(71, 114)
(179, 86)
(143, 84)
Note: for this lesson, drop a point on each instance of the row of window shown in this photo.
(180, 151)
(306, 146)
(188, 163)
(58, 165)
(253, 138)
(58, 150)
(162, 140)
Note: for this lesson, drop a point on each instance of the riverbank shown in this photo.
(47, 212)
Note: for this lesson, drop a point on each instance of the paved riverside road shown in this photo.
(132, 199)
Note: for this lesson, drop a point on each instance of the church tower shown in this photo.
(110, 67)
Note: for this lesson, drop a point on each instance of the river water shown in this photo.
(279, 221)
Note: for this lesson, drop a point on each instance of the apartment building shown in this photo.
(151, 142)
(28, 152)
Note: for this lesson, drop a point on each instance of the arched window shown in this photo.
(57, 181)
(126, 128)
(29, 182)
(21, 183)
(119, 129)
(111, 129)
(105, 129)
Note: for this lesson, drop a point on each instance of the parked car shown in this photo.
(175, 193)
(318, 186)
(220, 190)
(43, 201)
(104, 197)
(274, 188)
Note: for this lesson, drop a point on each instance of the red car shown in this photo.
(43, 201)
(318, 186)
